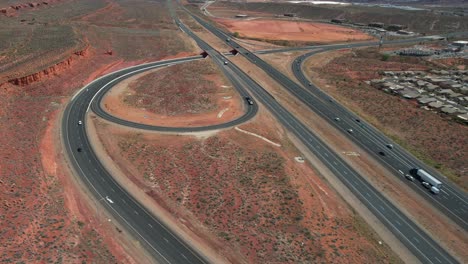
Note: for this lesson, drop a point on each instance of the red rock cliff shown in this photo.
(50, 71)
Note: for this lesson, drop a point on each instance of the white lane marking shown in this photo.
(165, 239)
(136, 212)
(124, 201)
(398, 222)
(438, 259)
(150, 225)
(112, 190)
(401, 172)
(368, 194)
(325, 154)
(183, 256)
(442, 190)
(381, 207)
(345, 172)
(415, 239)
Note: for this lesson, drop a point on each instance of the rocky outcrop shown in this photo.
(11, 10)
(50, 71)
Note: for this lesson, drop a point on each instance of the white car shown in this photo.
(426, 184)
(80, 122)
(350, 131)
(109, 200)
(435, 190)
(409, 177)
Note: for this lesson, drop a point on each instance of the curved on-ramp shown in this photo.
(160, 242)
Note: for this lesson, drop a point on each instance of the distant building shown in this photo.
(404, 32)
(395, 27)
(338, 20)
(376, 24)
(463, 117)
(460, 43)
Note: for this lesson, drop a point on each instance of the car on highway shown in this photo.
(249, 100)
(381, 153)
(337, 119)
(310, 84)
(350, 131)
(228, 39)
(79, 149)
(426, 184)
(80, 122)
(226, 62)
(390, 146)
(435, 190)
(409, 177)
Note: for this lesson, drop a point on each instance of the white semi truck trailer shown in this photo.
(428, 180)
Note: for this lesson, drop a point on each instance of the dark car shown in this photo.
(249, 100)
(381, 153)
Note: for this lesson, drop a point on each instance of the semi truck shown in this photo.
(427, 180)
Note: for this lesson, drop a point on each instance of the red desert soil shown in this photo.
(44, 217)
(44, 214)
(250, 198)
(184, 95)
(449, 235)
(293, 31)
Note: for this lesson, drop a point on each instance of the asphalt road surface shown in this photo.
(417, 241)
(164, 246)
(452, 201)
(161, 243)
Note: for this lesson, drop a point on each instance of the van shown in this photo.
(435, 190)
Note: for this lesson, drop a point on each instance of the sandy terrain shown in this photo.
(292, 31)
(245, 194)
(283, 61)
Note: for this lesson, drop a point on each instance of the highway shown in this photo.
(96, 106)
(162, 244)
(452, 201)
(417, 241)
(159, 241)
